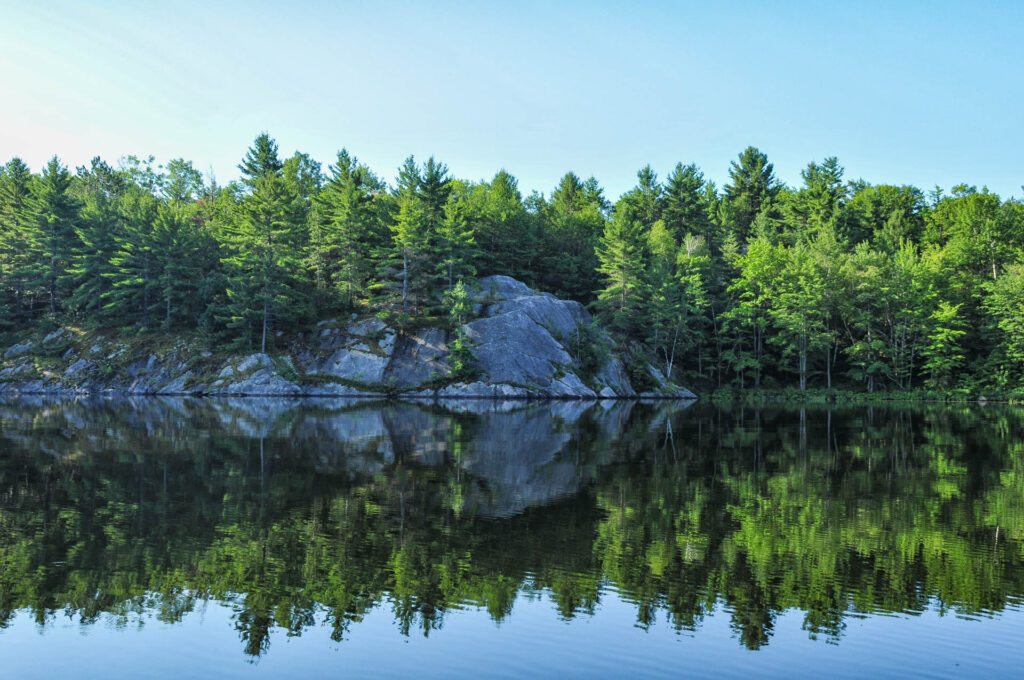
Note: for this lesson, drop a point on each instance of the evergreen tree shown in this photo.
(261, 161)
(685, 203)
(818, 204)
(460, 356)
(53, 237)
(570, 226)
(134, 273)
(504, 230)
(621, 257)
(407, 265)
(17, 222)
(91, 270)
(422, 196)
(186, 258)
(645, 199)
(352, 231)
(751, 190)
(455, 244)
(265, 263)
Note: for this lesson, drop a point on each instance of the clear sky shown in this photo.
(902, 92)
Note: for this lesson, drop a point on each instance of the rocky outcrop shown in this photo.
(521, 342)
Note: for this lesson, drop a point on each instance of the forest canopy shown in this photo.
(752, 284)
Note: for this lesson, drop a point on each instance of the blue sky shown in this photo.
(902, 92)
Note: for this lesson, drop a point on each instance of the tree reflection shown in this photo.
(301, 516)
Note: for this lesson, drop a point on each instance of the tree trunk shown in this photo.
(803, 364)
(405, 281)
(170, 286)
(758, 342)
(828, 367)
(145, 294)
(672, 356)
(263, 342)
(53, 278)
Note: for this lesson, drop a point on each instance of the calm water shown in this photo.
(264, 538)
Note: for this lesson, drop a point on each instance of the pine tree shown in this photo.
(752, 189)
(406, 263)
(571, 225)
(187, 262)
(684, 206)
(421, 196)
(53, 237)
(505, 235)
(134, 267)
(646, 198)
(90, 271)
(621, 256)
(352, 230)
(455, 245)
(460, 356)
(17, 222)
(265, 264)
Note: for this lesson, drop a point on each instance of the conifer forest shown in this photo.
(835, 283)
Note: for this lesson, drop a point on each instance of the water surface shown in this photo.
(259, 538)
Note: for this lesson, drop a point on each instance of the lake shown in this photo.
(249, 538)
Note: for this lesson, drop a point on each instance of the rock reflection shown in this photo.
(308, 514)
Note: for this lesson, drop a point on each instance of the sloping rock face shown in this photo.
(520, 339)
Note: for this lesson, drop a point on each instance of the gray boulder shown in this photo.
(19, 349)
(79, 369)
(501, 288)
(20, 371)
(57, 336)
(613, 381)
(366, 327)
(264, 382)
(417, 358)
(254, 361)
(176, 386)
(352, 364)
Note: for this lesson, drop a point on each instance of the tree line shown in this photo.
(756, 284)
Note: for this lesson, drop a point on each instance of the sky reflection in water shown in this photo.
(188, 537)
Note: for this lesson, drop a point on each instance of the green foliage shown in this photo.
(1004, 303)
(460, 356)
(621, 256)
(589, 349)
(748, 513)
(831, 283)
(265, 241)
(942, 350)
(351, 206)
(751, 190)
